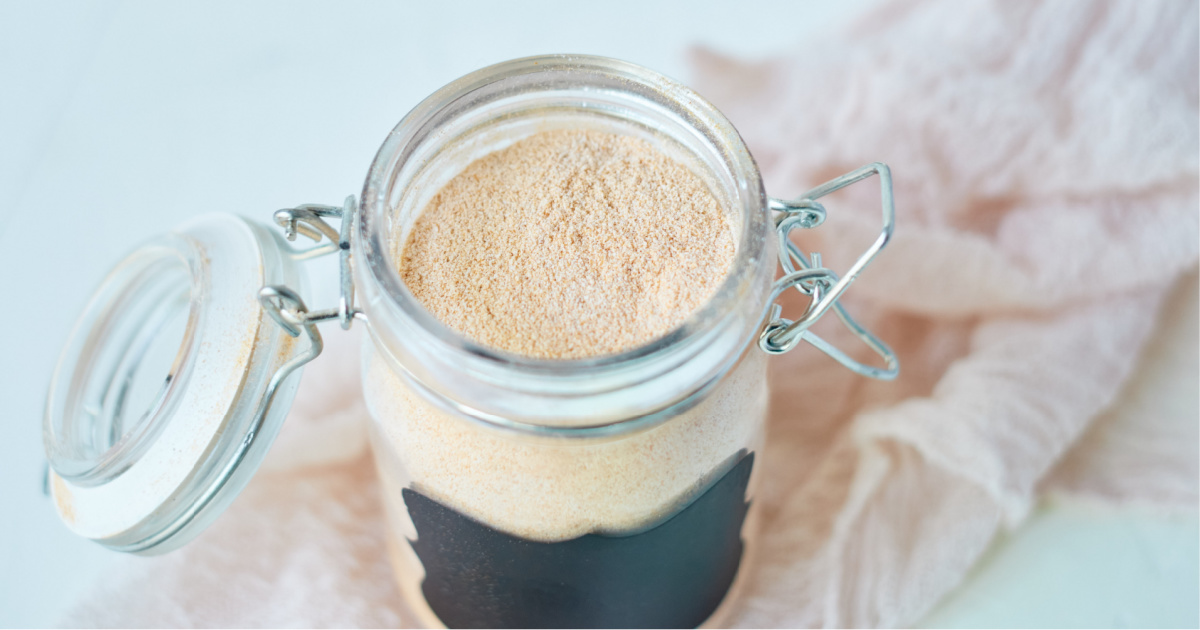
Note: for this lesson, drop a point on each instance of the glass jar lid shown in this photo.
(172, 385)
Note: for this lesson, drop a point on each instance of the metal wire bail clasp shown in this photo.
(821, 284)
(284, 305)
(309, 220)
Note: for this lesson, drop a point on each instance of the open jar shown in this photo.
(606, 491)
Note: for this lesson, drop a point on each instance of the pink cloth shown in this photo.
(1045, 160)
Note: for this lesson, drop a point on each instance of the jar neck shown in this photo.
(492, 108)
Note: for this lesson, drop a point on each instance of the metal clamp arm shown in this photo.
(309, 220)
(822, 284)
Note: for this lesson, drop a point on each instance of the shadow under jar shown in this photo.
(609, 491)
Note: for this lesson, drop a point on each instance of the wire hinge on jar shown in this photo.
(309, 220)
(823, 285)
(284, 305)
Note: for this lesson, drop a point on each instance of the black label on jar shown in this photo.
(673, 575)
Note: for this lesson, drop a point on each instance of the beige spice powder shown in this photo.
(568, 244)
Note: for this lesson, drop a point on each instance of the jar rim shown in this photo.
(374, 242)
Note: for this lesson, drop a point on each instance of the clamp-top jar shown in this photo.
(606, 491)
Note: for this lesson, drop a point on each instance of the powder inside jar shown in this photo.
(568, 244)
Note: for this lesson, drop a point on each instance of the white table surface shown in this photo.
(119, 120)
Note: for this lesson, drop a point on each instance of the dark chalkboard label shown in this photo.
(673, 575)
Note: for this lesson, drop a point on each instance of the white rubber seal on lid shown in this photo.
(157, 415)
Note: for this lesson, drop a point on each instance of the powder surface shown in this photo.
(568, 244)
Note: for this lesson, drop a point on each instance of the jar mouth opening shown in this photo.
(376, 230)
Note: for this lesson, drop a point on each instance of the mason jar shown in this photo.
(614, 491)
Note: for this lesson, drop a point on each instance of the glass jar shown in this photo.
(610, 491)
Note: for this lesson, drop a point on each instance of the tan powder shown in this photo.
(568, 244)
